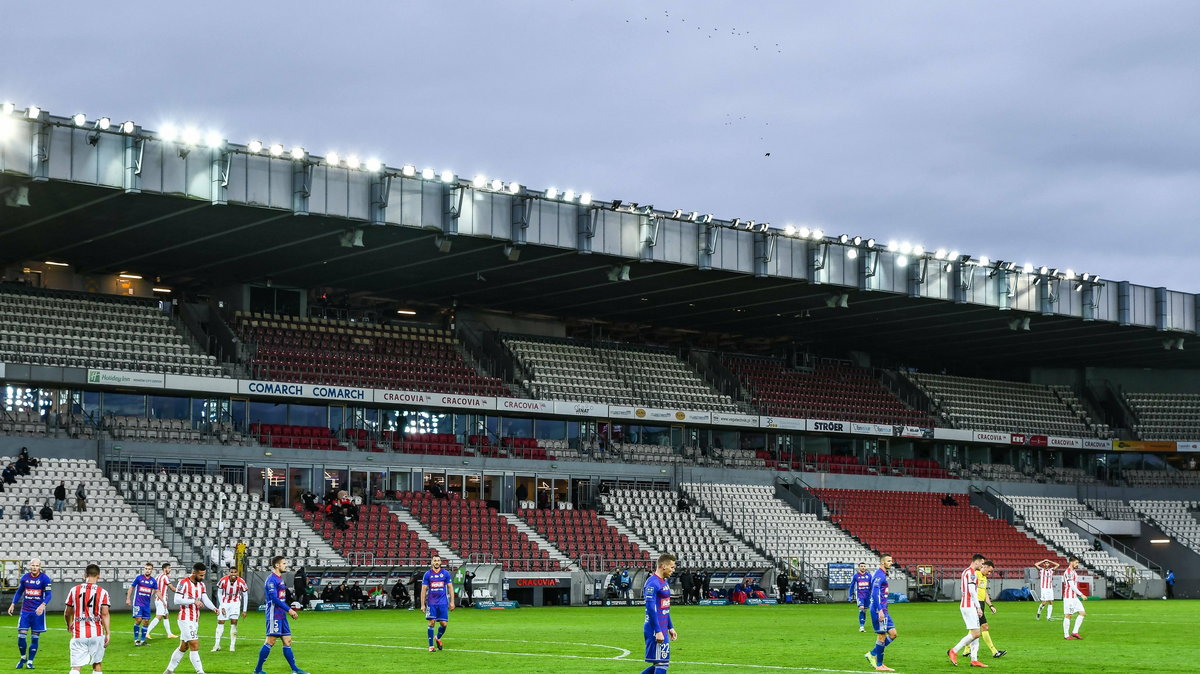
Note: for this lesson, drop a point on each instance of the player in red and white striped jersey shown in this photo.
(971, 611)
(87, 619)
(232, 602)
(189, 595)
(161, 613)
(1046, 569)
(1073, 599)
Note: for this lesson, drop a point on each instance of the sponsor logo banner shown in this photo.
(734, 419)
(495, 605)
(1064, 443)
(1039, 441)
(716, 602)
(755, 601)
(317, 391)
(914, 432)
(616, 602)
(405, 397)
(1143, 445)
(953, 434)
(782, 423)
(989, 436)
(618, 412)
(821, 426)
(540, 582)
(435, 399)
(594, 410)
(523, 405)
(871, 429)
(1018, 438)
(116, 378)
(1093, 443)
(1188, 446)
(659, 415)
(332, 606)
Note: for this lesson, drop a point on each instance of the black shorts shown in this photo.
(983, 618)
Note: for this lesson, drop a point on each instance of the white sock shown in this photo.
(975, 650)
(1049, 611)
(194, 656)
(176, 656)
(1040, 607)
(1078, 622)
(232, 635)
(1066, 626)
(217, 638)
(153, 624)
(962, 643)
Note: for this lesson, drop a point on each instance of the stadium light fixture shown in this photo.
(406, 312)
(168, 133)
(7, 126)
(1160, 541)
(818, 234)
(569, 195)
(940, 254)
(789, 230)
(905, 248)
(127, 127)
(843, 238)
(276, 150)
(408, 170)
(857, 240)
(161, 290)
(58, 264)
(479, 181)
(918, 250)
(353, 162)
(7, 108)
(984, 260)
(132, 277)
(803, 232)
(870, 243)
(496, 185)
(960, 258)
(1070, 273)
(552, 193)
(514, 187)
(80, 119)
(585, 199)
(332, 158)
(213, 139)
(851, 253)
(1028, 268)
(676, 214)
(103, 123)
(428, 174)
(893, 245)
(191, 136)
(33, 112)
(372, 164)
(299, 153)
(901, 260)
(255, 146)
(447, 176)
(1043, 270)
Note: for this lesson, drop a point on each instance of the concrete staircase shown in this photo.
(555, 554)
(304, 531)
(443, 548)
(622, 529)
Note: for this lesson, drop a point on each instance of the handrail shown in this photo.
(1136, 556)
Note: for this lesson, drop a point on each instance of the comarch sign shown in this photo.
(316, 391)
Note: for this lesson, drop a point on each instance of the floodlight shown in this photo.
(870, 243)
(585, 199)
(1028, 268)
(497, 184)
(818, 234)
(332, 158)
(255, 146)
(277, 150)
(428, 174)
(103, 123)
(7, 108)
(901, 261)
(940, 254)
(984, 260)
(447, 176)
(693, 216)
(372, 164)
(803, 232)
(1070, 273)
(905, 248)
(353, 162)
(33, 112)
(191, 136)
(298, 153)
(213, 139)
(851, 253)
(1043, 270)
(918, 250)
(552, 193)
(127, 127)
(857, 240)
(738, 221)
(892, 245)
(80, 119)
(514, 187)
(479, 182)
(569, 195)
(676, 213)
(843, 238)
(789, 230)
(955, 256)
(168, 133)
(408, 170)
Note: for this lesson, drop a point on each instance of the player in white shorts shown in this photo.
(161, 614)
(1073, 599)
(971, 611)
(189, 595)
(86, 615)
(1046, 570)
(232, 601)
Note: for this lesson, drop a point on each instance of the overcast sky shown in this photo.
(1062, 133)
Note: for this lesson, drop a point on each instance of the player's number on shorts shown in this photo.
(275, 626)
(664, 650)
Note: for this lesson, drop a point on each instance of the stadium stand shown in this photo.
(581, 533)
(653, 515)
(776, 527)
(1015, 407)
(22, 422)
(376, 538)
(477, 532)
(187, 505)
(1137, 477)
(109, 533)
(1180, 519)
(999, 472)
(1165, 416)
(1044, 516)
(918, 529)
(831, 390)
(633, 452)
(1070, 475)
(66, 329)
(1112, 509)
(345, 353)
(295, 437)
(607, 372)
(142, 428)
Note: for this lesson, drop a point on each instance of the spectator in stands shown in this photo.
(26, 511)
(80, 498)
(781, 582)
(349, 507)
(336, 516)
(9, 474)
(682, 504)
(948, 500)
(47, 512)
(1192, 463)
(310, 501)
(1170, 579)
(22, 466)
(28, 459)
(468, 587)
(60, 496)
(436, 490)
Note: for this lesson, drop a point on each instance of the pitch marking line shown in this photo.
(620, 658)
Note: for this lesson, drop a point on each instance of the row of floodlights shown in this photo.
(79, 119)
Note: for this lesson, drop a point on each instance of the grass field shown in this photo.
(1142, 636)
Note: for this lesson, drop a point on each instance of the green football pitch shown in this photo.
(1119, 636)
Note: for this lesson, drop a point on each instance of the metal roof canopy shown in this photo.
(192, 240)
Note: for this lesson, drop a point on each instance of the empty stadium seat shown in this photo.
(580, 533)
(471, 527)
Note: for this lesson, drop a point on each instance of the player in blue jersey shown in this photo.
(33, 593)
(881, 620)
(860, 591)
(140, 596)
(437, 600)
(659, 631)
(277, 612)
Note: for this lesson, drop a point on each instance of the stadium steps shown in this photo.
(451, 558)
(541, 542)
(180, 548)
(305, 532)
(622, 529)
